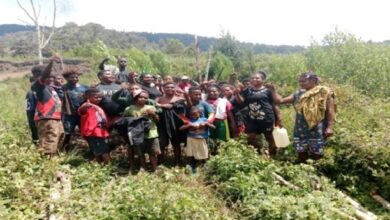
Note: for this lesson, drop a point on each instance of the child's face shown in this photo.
(95, 98)
(134, 88)
(213, 93)
(196, 95)
(195, 114)
(142, 99)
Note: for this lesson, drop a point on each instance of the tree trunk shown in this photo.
(40, 59)
(42, 41)
(197, 60)
(208, 63)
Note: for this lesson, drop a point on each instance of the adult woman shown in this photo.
(262, 114)
(239, 118)
(173, 110)
(314, 105)
(224, 118)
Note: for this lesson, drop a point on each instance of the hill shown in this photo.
(13, 28)
(15, 40)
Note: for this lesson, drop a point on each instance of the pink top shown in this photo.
(184, 86)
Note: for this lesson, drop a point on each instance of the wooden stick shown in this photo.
(360, 212)
(343, 214)
(284, 182)
(60, 191)
(381, 200)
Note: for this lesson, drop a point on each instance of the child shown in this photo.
(151, 144)
(236, 111)
(94, 125)
(196, 149)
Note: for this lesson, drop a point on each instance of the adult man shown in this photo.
(48, 111)
(73, 98)
(123, 75)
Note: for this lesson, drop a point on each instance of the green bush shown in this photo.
(248, 181)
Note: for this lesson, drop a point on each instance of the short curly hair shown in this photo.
(37, 70)
(69, 72)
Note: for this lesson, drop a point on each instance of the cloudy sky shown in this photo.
(291, 22)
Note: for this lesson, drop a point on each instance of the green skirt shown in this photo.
(221, 131)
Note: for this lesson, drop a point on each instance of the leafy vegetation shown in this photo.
(252, 188)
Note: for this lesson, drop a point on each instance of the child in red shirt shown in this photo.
(94, 126)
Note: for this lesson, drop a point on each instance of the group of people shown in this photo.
(149, 113)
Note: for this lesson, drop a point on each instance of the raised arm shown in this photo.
(188, 99)
(287, 100)
(47, 70)
(278, 99)
(238, 97)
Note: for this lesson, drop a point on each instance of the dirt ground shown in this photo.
(14, 74)
(17, 70)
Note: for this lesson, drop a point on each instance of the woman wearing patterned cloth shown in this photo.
(315, 108)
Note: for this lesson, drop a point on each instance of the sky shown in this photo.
(275, 22)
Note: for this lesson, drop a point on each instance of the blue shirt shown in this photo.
(202, 132)
(74, 97)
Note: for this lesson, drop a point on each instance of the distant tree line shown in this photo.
(12, 28)
(16, 40)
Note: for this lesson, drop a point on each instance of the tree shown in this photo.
(174, 46)
(42, 40)
(139, 61)
(220, 67)
(159, 62)
(230, 47)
